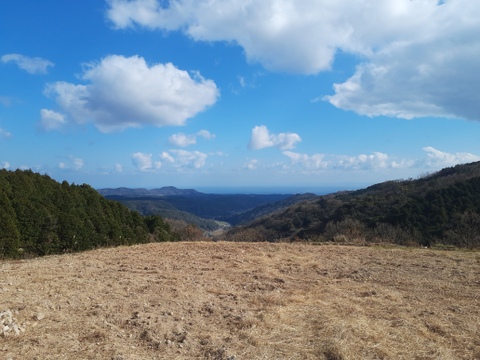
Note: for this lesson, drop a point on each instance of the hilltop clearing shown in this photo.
(242, 301)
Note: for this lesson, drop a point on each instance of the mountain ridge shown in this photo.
(443, 207)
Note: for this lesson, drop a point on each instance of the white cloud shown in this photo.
(207, 135)
(183, 158)
(439, 159)
(4, 134)
(182, 140)
(309, 162)
(166, 156)
(419, 57)
(123, 92)
(31, 65)
(118, 168)
(261, 138)
(378, 161)
(374, 161)
(51, 120)
(251, 165)
(5, 165)
(72, 163)
(143, 162)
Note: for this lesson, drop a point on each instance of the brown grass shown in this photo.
(244, 301)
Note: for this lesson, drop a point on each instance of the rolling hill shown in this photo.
(194, 207)
(443, 207)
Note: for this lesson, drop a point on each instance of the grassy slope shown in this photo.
(251, 301)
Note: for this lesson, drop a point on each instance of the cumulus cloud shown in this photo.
(374, 161)
(179, 159)
(5, 165)
(261, 138)
(440, 159)
(418, 58)
(144, 162)
(123, 92)
(182, 140)
(185, 159)
(32, 65)
(435, 160)
(51, 120)
(310, 162)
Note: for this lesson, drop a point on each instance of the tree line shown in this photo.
(40, 216)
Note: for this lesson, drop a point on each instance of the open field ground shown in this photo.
(242, 301)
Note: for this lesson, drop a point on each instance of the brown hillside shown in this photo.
(242, 301)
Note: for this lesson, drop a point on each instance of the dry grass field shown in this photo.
(243, 301)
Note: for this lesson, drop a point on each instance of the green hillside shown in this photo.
(156, 206)
(439, 208)
(39, 216)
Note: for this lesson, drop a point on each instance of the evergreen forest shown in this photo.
(40, 216)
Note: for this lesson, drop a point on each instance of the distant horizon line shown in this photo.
(259, 189)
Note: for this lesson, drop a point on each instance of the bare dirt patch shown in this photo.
(243, 301)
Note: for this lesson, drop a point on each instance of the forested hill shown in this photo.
(40, 216)
(443, 207)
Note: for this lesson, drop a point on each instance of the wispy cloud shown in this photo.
(124, 92)
(4, 134)
(71, 163)
(6, 100)
(251, 164)
(32, 65)
(261, 138)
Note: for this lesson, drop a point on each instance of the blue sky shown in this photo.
(238, 93)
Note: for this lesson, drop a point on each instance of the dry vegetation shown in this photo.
(244, 301)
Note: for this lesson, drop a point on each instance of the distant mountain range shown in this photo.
(194, 207)
(163, 191)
